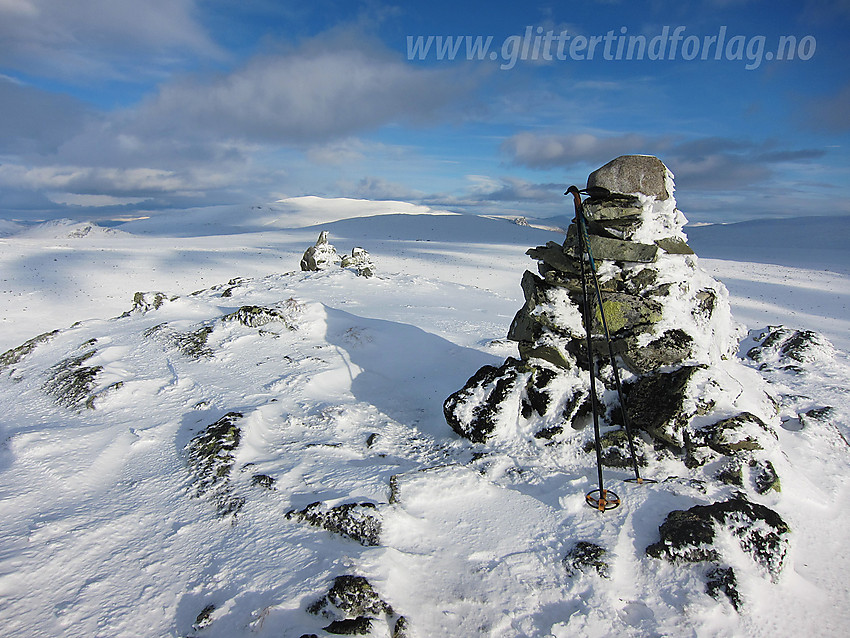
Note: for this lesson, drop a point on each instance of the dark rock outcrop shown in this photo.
(210, 458)
(787, 349)
(70, 382)
(688, 535)
(16, 355)
(586, 556)
(354, 606)
(359, 522)
(723, 582)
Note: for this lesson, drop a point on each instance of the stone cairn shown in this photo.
(688, 398)
(323, 256)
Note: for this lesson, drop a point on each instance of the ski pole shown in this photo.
(600, 498)
(585, 243)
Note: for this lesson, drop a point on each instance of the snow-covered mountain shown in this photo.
(246, 449)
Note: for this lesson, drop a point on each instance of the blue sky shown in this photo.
(120, 108)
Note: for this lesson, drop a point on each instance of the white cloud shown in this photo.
(537, 150)
(99, 38)
(380, 189)
(308, 96)
(89, 180)
(511, 189)
(19, 7)
(73, 199)
(337, 153)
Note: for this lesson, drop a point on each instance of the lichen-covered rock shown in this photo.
(69, 382)
(585, 556)
(231, 285)
(204, 619)
(674, 246)
(547, 322)
(400, 628)
(16, 355)
(611, 249)
(93, 399)
(359, 522)
(656, 403)
(689, 535)
(706, 301)
(360, 626)
(731, 473)
(765, 477)
(626, 313)
(353, 605)
(144, 302)
(320, 256)
(263, 480)
(614, 207)
(211, 455)
(672, 347)
(258, 316)
(554, 256)
(739, 433)
(784, 348)
(192, 344)
(615, 452)
(817, 416)
(517, 396)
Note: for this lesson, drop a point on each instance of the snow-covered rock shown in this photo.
(321, 255)
(688, 398)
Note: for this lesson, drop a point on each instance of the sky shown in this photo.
(118, 109)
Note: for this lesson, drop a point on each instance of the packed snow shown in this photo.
(338, 382)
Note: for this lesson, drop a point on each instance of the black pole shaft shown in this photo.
(588, 331)
(585, 243)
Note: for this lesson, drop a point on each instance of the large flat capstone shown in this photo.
(632, 174)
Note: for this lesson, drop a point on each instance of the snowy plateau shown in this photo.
(199, 439)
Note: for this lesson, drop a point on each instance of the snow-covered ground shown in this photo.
(340, 400)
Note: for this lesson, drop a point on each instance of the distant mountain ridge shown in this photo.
(819, 243)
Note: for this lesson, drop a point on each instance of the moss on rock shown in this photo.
(211, 458)
(256, 316)
(16, 355)
(350, 603)
(70, 382)
(359, 522)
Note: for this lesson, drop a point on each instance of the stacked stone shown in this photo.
(323, 256)
(633, 294)
(687, 396)
(669, 322)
